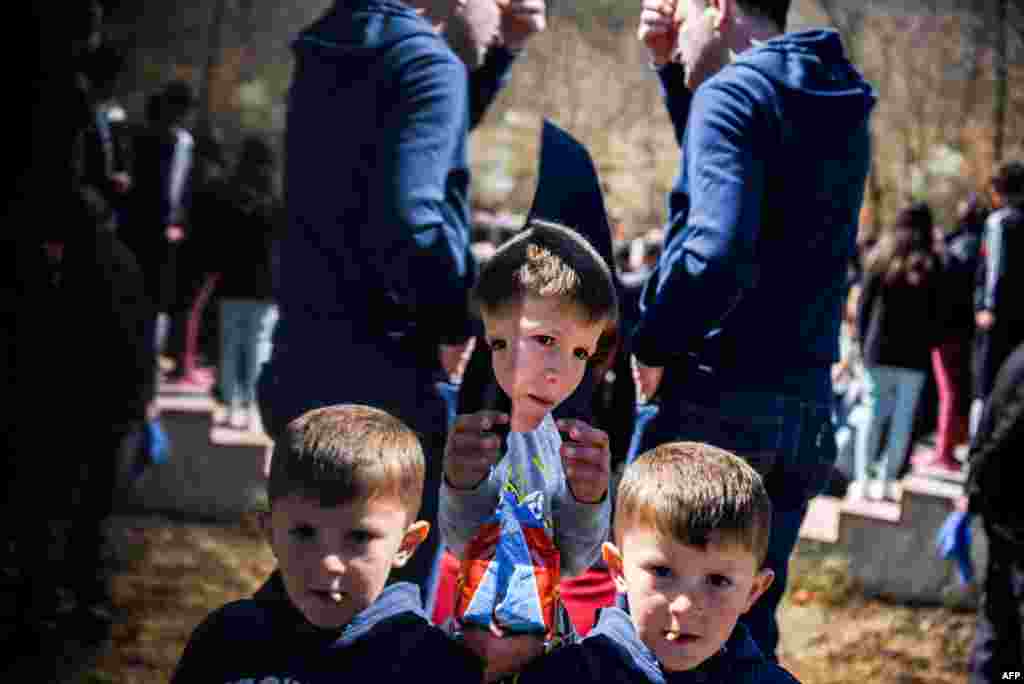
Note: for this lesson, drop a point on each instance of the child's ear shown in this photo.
(613, 558)
(762, 580)
(414, 536)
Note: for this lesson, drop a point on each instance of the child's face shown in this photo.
(684, 600)
(335, 561)
(539, 351)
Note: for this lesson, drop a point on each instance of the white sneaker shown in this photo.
(239, 419)
(893, 491)
(876, 490)
(855, 490)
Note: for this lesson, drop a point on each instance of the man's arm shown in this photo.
(709, 259)
(486, 82)
(419, 216)
(677, 96)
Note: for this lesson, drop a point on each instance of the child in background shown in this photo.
(345, 486)
(691, 535)
(545, 297)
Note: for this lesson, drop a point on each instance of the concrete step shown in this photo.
(202, 477)
(891, 546)
(821, 523)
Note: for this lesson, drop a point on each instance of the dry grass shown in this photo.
(177, 572)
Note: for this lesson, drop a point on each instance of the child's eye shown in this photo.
(303, 532)
(498, 345)
(359, 537)
(545, 340)
(719, 581)
(581, 354)
(660, 571)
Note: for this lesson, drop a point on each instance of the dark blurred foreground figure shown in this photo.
(994, 492)
(61, 491)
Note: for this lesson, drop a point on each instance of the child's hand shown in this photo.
(586, 460)
(658, 29)
(520, 19)
(472, 449)
(503, 654)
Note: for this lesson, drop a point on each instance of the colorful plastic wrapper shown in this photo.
(510, 572)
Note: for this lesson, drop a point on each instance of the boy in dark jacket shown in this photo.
(691, 536)
(344, 489)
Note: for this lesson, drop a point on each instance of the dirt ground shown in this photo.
(174, 573)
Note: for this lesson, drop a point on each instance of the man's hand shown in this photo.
(647, 378)
(121, 182)
(454, 358)
(503, 654)
(520, 19)
(471, 449)
(658, 29)
(174, 234)
(985, 319)
(586, 460)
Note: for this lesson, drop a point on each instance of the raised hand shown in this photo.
(659, 29)
(520, 19)
(586, 460)
(472, 448)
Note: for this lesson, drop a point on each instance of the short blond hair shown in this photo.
(548, 260)
(688, 490)
(345, 453)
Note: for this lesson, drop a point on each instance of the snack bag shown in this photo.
(511, 571)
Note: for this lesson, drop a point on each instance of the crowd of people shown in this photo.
(653, 417)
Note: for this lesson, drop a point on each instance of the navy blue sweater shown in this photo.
(612, 652)
(267, 637)
(375, 267)
(762, 217)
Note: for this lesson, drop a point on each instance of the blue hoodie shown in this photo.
(613, 654)
(374, 268)
(762, 218)
(267, 637)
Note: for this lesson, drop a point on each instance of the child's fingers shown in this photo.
(481, 421)
(579, 431)
(469, 444)
(586, 459)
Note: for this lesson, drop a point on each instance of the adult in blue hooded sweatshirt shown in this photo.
(374, 270)
(739, 322)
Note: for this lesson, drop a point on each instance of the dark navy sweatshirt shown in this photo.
(762, 217)
(612, 653)
(374, 266)
(266, 638)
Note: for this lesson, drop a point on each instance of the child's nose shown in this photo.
(333, 564)
(683, 603)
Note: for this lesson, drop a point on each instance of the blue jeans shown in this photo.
(246, 327)
(789, 441)
(891, 394)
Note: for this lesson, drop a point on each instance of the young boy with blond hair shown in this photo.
(691, 534)
(345, 487)
(546, 297)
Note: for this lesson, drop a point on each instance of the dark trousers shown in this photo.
(789, 441)
(999, 639)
